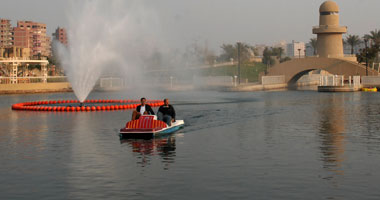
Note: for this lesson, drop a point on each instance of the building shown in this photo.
(32, 35)
(5, 33)
(329, 32)
(282, 44)
(296, 49)
(60, 35)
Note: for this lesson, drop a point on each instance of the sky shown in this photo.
(219, 21)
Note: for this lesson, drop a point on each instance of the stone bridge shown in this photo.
(296, 68)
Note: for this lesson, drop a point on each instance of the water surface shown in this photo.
(262, 145)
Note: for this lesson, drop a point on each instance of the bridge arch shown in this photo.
(296, 68)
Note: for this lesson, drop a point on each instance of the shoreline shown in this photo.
(34, 88)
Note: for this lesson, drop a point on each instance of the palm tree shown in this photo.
(313, 43)
(374, 36)
(352, 40)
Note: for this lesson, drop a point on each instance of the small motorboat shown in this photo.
(374, 89)
(147, 126)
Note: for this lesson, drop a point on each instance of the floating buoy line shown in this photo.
(86, 106)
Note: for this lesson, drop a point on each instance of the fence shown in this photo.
(111, 82)
(37, 79)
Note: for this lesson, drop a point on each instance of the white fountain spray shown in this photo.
(106, 36)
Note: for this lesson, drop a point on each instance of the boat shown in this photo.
(369, 89)
(147, 126)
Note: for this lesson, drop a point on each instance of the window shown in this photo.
(329, 13)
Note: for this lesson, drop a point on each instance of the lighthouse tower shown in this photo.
(329, 33)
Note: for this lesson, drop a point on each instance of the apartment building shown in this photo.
(32, 35)
(60, 35)
(5, 33)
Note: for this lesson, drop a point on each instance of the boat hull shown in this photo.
(150, 133)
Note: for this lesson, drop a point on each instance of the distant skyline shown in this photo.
(220, 21)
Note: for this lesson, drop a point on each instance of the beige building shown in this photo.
(329, 32)
(295, 49)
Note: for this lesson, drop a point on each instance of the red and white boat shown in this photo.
(147, 126)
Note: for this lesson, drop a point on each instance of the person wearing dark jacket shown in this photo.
(166, 113)
(143, 109)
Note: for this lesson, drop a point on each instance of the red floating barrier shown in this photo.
(121, 104)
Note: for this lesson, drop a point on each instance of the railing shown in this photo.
(37, 79)
(334, 80)
(338, 80)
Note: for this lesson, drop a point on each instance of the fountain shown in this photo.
(105, 35)
(112, 36)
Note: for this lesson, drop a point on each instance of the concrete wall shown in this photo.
(371, 81)
(34, 88)
(272, 80)
(213, 81)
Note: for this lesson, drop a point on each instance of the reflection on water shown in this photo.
(332, 134)
(268, 145)
(145, 149)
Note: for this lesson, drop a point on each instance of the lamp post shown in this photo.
(239, 60)
(366, 56)
(299, 53)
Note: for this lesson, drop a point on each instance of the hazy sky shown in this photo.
(220, 21)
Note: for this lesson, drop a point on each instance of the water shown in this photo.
(262, 145)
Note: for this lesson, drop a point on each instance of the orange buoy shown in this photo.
(83, 108)
(78, 108)
(88, 109)
(93, 108)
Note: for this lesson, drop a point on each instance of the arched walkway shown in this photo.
(296, 68)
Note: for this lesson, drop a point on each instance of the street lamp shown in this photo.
(239, 60)
(299, 53)
(366, 56)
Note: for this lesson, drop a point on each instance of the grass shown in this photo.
(249, 71)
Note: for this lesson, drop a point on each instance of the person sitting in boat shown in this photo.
(166, 113)
(143, 109)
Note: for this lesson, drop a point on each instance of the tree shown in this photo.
(231, 51)
(277, 52)
(374, 36)
(352, 40)
(313, 43)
